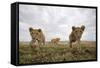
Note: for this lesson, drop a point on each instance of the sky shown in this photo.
(56, 21)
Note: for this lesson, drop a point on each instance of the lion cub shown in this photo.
(37, 36)
(76, 34)
(55, 40)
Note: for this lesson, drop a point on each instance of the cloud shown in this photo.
(56, 21)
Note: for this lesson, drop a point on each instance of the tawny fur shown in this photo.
(76, 34)
(55, 40)
(37, 36)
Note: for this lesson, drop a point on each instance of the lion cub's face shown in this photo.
(57, 39)
(37, 36)
(35, 33)
(78, 31)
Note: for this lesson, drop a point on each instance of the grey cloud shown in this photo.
(56, 21)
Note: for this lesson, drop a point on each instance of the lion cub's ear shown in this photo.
(39, 30)
(83, 27)
(73, 27)
(30, 29)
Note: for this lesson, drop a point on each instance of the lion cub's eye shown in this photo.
(36, 33)
(80, 31)
(76, 31)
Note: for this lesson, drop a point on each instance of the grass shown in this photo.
(55, 53)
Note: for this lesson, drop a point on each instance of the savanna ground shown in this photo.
(56, 53)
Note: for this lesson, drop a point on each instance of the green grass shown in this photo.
(55, 53)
